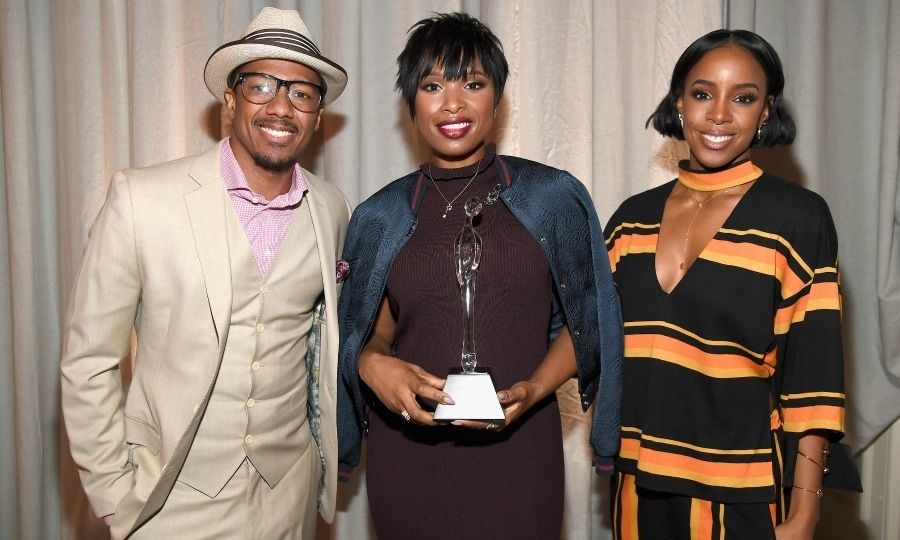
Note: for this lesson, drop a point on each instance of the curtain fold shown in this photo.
(29, 275)
(887, 271)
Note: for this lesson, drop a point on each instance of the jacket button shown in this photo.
(543, 239)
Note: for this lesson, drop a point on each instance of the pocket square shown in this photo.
(341, 271)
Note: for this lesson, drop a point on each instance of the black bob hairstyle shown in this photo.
(456, 41)
(779, 127)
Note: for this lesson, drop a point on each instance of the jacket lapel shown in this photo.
(323, 376)
(206, 208)
(323, 227)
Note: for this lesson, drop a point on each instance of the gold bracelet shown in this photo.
(818, 493)
(816, 463)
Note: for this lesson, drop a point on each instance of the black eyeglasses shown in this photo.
(261, 88)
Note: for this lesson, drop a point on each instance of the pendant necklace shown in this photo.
(700, 205)
(450, 202)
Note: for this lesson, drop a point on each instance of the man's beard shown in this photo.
(272, 164)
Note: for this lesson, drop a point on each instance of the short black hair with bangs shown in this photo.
(456, 41)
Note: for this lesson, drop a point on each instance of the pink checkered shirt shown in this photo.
(265, 222)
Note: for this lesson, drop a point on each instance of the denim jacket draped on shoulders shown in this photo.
(557, 211)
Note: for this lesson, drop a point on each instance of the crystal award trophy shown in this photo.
(471, 387)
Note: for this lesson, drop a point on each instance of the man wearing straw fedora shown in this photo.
(225, 266)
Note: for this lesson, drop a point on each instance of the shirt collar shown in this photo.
(236, 182)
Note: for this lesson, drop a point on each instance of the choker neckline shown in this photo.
(733, 176)
(440, 173)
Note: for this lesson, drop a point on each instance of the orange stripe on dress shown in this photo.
(614, 256)
(824, 295)
(821, 296)
(630, 448)
(629, 509)
(791, 283)
(754, 254)
(628, 244)
(701, 519)
(799, 419)
(755, 258)
(732, 475)
(789, 315)
(771, 361)
(668, 349)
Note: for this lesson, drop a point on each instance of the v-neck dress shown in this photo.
(453, 482)
(744, 350)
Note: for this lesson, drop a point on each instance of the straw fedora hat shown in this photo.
(275, 33)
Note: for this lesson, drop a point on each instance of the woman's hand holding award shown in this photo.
(471, 387)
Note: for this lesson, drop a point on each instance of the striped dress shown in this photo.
(744, 351)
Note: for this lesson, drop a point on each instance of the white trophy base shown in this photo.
(474, 396)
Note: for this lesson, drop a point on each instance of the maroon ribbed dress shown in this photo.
(452, 482)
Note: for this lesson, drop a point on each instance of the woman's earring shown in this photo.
(681, 119)
(759, 131)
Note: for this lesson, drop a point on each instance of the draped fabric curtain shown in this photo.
(89, 87)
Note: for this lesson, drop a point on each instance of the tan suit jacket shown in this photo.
(157, 260)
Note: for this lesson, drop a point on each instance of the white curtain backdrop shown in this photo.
(88, 87)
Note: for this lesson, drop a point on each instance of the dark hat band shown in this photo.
(283, 38)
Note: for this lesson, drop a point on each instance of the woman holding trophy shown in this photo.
(472, 248)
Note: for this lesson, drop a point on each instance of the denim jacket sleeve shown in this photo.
(558, 211)
(378, 229)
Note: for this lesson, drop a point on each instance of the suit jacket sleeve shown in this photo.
(97, 335)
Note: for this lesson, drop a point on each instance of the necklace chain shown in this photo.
(700, 205)
(450, 202)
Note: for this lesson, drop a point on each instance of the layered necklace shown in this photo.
(450, 202)
(721, 182)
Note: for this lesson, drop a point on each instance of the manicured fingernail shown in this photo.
(501, 395)
(456, 423)
(447, 400)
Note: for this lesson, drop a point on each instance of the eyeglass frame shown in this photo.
(240, 77)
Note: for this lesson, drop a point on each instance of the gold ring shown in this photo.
(405, 415)
(493, 426)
